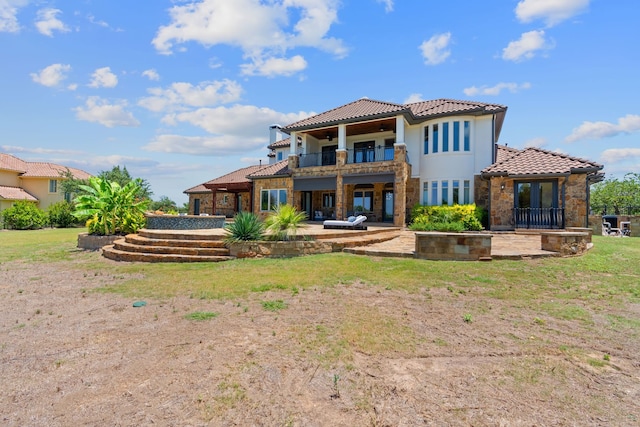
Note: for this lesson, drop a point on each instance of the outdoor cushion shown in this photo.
(356, 223)
(351, 218)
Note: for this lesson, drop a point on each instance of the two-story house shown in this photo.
(38, 182)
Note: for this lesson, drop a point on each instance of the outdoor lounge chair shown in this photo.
(352, 223)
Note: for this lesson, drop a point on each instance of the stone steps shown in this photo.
(169, 246)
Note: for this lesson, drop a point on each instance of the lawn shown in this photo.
(327, 339)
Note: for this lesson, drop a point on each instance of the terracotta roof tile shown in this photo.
(349, 112)
(536, 161)
(15, 193)
(238, 176)
(280, 144)
(51, 170)
(503, 152)
(277, 169)
(438, 107)
(12, 163)
(200, 188)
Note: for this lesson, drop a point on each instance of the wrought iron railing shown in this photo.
(538, 217)
(317, 159)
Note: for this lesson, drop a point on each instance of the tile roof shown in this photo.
(438, 107)
(536, 161)
(415, 112)
(38, 169)
(503, 152)
(12, 163)
(200, 188)
(349, 112)
(280, 144)
(15, 193)
(277, 169)
(238, 176)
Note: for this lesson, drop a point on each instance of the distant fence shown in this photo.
(615, 210)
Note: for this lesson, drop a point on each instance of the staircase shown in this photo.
(160, 246)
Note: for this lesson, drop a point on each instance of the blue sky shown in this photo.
(183, 91)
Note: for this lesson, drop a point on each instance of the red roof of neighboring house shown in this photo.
(38, 169)
(235, 178)
(277, 169)
(536, 161)
(15, 193)
(12, 163)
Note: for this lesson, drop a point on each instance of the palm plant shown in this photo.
(284, 221)
(245, 226)
(111, 208)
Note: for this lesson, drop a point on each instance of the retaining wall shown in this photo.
(453, 246)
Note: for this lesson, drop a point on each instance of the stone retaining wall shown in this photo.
(184, 222)
(453, 246)
(565, 242)
(278, 249)
(93, 242)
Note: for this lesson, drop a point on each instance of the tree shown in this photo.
(165, 204)
(111, 208)
(122, 177)
(70, 184)
(615, 197)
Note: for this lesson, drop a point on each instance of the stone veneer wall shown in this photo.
(229, 208)
(206, 202)
(184, 222)
(453, 246)
(565, 242)
(575, 213)
(278, 249)
(481, 192)
(280, 182)
(501, 215)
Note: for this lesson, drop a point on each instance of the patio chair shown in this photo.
(352, 223)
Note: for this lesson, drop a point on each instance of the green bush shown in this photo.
(61, 215)
(454, 218)
(245, 226)
(24, 215)
(283, 222)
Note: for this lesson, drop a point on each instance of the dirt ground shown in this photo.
(72, 357)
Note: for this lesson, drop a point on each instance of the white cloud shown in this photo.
(536, 143)
(526, 48)
(181, 95)
(388, 5)
(48, 22)
(552, 12)
(434, 50)
(495, 90)
(103, 77)
(218, 145)
(615, 155)
(52, 75)
(98, 110)
(263, 33)
(414, 97)
(272, 67)
(151, 74)
(9, 15)
(596, 130)
(47, 151)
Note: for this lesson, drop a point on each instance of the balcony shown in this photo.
(325, 158)
(380, 153)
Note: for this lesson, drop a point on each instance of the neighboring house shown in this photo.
(381, 159)
(38, 182)
(535, 188)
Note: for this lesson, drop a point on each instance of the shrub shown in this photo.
(284, 221)
(24, 215)
(61, 215)
(454, 218)
(245, 226)
(110, 208)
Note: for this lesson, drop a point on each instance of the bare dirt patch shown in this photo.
(348, 355)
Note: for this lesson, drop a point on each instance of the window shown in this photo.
(435, 138)
(270, 199)
(445, 192)
(456, 191)
(434, 192)
(456, 136)
(426, 140)
(363, 201)
(67, 197)
(279, 155)
(53, 186)
(466, 191)
(445, 137)
(467, 136)
(425, 193)
(364, 151)
(328, 200)
(329, 155)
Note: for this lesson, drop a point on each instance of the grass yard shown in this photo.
(330, 339)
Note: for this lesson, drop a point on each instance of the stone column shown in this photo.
(401, 172)
(341, 159)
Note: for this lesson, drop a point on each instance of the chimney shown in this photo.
(275, 133)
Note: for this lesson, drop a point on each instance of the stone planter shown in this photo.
(91, 242)
(268, 249)
(565, 242)
(435, 245)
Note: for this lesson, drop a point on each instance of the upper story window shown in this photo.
(279, 155)
(446, 137)
(53, 186)
(426, 140)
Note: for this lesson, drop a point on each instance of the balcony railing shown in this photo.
(317, 159)
(538, 217)
(380, 153)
